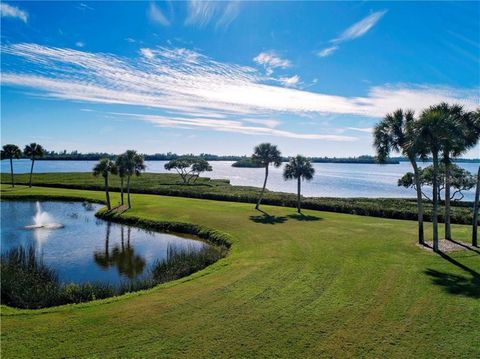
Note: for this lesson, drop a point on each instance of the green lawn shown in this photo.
(334, 285)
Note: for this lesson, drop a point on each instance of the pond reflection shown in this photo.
(121, 256)
(86, 249)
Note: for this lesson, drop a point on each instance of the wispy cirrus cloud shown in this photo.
(186, 89)
(13, 11)
(291, 81)
(355, 31)
(156, 15)
(270, 60)
(221, 13)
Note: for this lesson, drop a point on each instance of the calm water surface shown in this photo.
(331, 179)
(86, 249)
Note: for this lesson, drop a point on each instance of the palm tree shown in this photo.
(134, 165)
(298, 168)
(10, 152)
(476, 205)
(464, 134)
(434, 131)
(122, 172)
(264, 154)
(396, 132)
(33, 151)
(103, 168)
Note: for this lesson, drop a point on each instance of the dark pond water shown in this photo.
(85, 248)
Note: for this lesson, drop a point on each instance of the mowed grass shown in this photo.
(323, 285)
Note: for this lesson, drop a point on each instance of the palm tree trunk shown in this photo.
(31, 172)
(476, 206)
(107, 194)
(11, 171)
(263, 188)
(421, 238)
(121, 189)
(448, 233)
(435, 201)
(299, 204)
(128, 191)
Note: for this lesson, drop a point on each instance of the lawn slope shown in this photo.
(323, 285)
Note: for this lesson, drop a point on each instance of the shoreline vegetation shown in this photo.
(95, 156)
(205, 188)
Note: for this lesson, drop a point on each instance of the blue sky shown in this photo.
(220, 77)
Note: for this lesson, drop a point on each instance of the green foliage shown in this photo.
(33, 150)
(460, 180)
(189, 168)
(265, 154)
(104, 167)
(298, 167)
(247, 162)
(10, 152)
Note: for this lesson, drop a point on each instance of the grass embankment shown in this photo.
(171, 185)
(322, 285)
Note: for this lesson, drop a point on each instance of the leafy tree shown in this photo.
(397, 132)
(460, 180)
(33, 151)
(265, 154)
(298, 168)
(134, 165)
(9, 152)
(189, 168)
(103, 168)
(121, 165)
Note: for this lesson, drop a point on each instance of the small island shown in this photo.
(246, 162)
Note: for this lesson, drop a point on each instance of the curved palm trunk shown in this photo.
(107, 193)
(448, 234)
(435, 201)
(11, 171)
(31, 172)
(128, 192)
(476, 206)
(121, 189)
(299, 202)
(421, 238)
(263, 188)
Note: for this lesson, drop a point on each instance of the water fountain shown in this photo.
(43, 220)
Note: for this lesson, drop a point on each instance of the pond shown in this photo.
(82, 248)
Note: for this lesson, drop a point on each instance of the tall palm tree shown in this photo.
(265, 154)
(476, 206)
(103, 168)
(464, 132)
(396, 132)
(121, 165)
(33, 150)
(135, 165)
(433, 130)
(298, 168)
(10, 152)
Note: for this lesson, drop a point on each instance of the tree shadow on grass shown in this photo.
(268, 219)
(303, 217)
(465, 246)
(457, 284)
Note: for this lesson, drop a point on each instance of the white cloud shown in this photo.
(360, 28)
(356, 30)
(366, 130)
(327, 51)
(222, 13)
(148, 53)
(192, 88)
(270, 61)
(156, 15)
(80, 44)
(13, 11)
(289, 81)
(130, 40)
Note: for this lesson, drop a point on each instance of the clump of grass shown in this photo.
(27, 282)
(181, 262)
